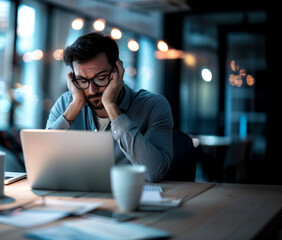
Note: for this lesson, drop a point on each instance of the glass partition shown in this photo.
(31, 53)
(246, 81)
(6, 52)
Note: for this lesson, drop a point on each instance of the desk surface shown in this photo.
(209, 211)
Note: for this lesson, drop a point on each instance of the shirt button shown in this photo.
(115, 131)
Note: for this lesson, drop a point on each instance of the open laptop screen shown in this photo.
(68, 160)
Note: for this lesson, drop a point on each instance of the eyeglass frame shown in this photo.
(74, 80)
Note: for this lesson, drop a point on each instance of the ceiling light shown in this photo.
(116, 33)
(206, 75)
(190, 59)
(58, 54)
(250, 80)
(162, 46)
(99, 24)
(133, 45)
(37, 55)
(77, 24)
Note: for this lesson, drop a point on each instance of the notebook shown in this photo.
(68, 160)
(11, 177)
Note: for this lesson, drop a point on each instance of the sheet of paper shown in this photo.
(151, 196)
(51, 210)
(28, 218)
(94, 229)
(61, 233)
(116, 231)
(153, 201)
(77, 207)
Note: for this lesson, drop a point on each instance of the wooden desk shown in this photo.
(209, 211)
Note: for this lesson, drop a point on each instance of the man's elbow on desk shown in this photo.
(153, 175)
(153, 178)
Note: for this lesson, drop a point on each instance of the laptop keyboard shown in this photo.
(152, 187)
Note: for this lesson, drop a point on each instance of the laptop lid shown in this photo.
(68, 160)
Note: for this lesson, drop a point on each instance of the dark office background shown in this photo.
(220, 74)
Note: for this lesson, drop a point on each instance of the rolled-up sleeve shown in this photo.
(152, 148)
(60, 124)
(56, 119)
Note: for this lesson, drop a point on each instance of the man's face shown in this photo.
(95, 67)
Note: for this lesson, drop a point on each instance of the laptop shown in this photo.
(68, 160)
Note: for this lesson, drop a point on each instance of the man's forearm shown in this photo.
(154, 149)
(73, 110)
(113, 111)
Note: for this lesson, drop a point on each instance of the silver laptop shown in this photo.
(68, 160)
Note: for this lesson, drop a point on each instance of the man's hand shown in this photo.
(77, 94)
(78, 100)
(111, 93)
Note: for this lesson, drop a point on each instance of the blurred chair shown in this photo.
(235, 168)
(183, 166)
(10, 144)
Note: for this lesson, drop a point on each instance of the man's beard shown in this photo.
(95, 101)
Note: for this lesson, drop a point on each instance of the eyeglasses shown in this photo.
(99, 81)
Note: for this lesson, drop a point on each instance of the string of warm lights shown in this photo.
(116, 33)
(163, 51)
(238, 75)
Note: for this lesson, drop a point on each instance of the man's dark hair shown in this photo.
(88, 46)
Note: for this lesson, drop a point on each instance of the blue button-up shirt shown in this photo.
(142, 133)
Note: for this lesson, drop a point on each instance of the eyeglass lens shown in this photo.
(99, 81)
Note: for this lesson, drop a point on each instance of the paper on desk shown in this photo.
(29, 218)
(94, 229)
(60, 232)
(154, 201)
(149, 196)
(52, 210)
(77, 207)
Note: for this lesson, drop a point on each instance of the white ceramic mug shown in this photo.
(127, 183)
(2, 173)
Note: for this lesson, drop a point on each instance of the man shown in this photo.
(141, 122)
